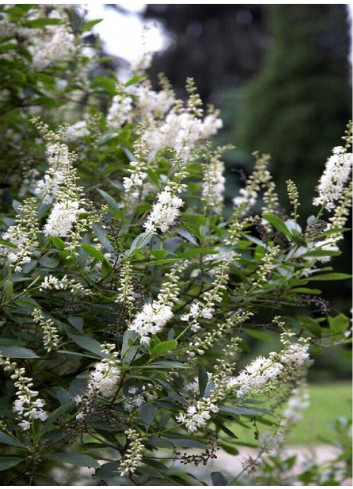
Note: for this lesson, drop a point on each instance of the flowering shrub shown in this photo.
(128, 300)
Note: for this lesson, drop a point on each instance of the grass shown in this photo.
(327, 402)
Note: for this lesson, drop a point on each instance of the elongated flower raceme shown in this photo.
(335, 176)
(106, 374)
(27, 405)
(164, 212)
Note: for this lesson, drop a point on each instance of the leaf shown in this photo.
(55, 415)
(87, 343)
(8, 291)
(147, 412)
(93, 252)
(243, 411)
(163, 347)
(188, 236)
(109, 199)
(8, 462)
(17, 352)
(139, 242)
(218, 479)
(76, 322)
(91, 23)
(338, 325)
(277, 223)
(38, 23)
(165, 364)
(329, 276)
(259, 335)
(58, 242)
(9, 440)
(203, 380)
(75, 459)
(48, 262)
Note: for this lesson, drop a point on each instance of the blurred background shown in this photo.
(281, 77)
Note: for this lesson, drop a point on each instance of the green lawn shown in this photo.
(327, 402)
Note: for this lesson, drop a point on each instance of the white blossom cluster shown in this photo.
(53, 43)
(125, 290)
(49, 187)
(50, 332)
(22, 235)
(263, 371)
(246, 199)
(298, 402)
(214, 184)
(27, 404)
(181, 131)
(154, 316)
(76, 131)
(120, 112)
(198, 415)
(332, 182)
(106, 374)
(205, 309)
(134, 183)
(51, 282)
(62, 218)
(151, 103)
(133, 456)
(164, 212)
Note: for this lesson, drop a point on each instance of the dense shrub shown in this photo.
(127, 299)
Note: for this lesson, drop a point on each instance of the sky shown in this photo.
(126, 35)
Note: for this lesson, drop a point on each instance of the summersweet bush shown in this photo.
(129, 304)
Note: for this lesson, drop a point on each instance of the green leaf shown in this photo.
(77, 459)
(38, 23)
(58, 242)
(91, 23)
(329, 276)
(93, 252)
(277, 223)
(55, 415)
(259, 335)
(8, 291)
(87, 343)
(311, 325)
(147, 412)
(203, 380)
(338, 325)
(139, 242)
(109, 199)
(163, 347)
(17, 352)
(9, 440)
(8, 462)
(243, 411)
(48, 262)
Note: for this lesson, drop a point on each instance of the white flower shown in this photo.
(119, 112)
(246, 198)
(62, 218)
(334, 177)
(151, 320)
(164, 212)
(77, 131)
(24, 425)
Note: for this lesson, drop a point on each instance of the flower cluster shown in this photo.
(62, 218)
(206, 309)
(51, 282)
(27, 405)
(298, 402)
(22, 236)
(214, 181)
(134, 183)
(106, 375)
(133, 456)
(164, 212)
(154, 316)
(197, 416)
(53, 43)
(50, 332)
(332, 182)
(265, 372)
(120, 112)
